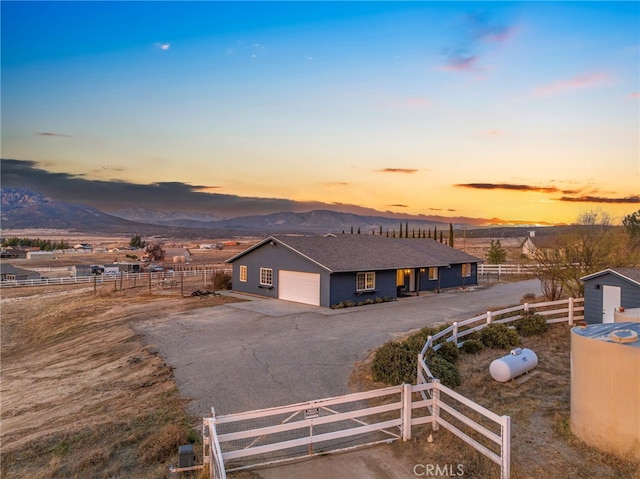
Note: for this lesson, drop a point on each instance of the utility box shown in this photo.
(186, 457)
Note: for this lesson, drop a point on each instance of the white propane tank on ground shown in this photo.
(508, 367)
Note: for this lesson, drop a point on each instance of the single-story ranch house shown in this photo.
(328, 270)
(608, 290)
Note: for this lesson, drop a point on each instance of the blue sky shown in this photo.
(507, 110)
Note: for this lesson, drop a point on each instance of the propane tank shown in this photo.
(517, 362)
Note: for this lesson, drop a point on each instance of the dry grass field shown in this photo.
(82, 395)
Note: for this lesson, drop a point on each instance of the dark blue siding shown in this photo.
(277, 258)
(629, 295)
(343, 287)
(452, 277)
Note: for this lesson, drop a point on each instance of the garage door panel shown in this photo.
(299, 287)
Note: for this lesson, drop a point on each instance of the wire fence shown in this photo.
(168, 278)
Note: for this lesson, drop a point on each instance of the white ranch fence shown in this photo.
(269, 436)
(566, 310)
(500, 269)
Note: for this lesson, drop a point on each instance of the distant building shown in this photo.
(13, 253)
(605, 292)
(39, 254)
(8, 272)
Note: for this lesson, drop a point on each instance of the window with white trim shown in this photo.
(366, 281)
(266, 277)
(466, 270)
(243, 274)
(433, 274)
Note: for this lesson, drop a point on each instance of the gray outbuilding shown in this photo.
(608, 290)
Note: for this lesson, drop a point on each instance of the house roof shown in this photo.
(6, 268)
(544, 242)
(348, 252)
(630, 274)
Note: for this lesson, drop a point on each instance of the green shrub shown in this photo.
(395, 363)
(472, 346)
(444, 370)
(448, 351)
(499, 336)
(531, 324)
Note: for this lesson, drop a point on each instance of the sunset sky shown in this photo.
(516, 111)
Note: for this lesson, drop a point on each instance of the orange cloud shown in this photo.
(589, 80)
(398, 170)
(509, 186)
(600, 199)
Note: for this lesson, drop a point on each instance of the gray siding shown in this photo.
(343, 287)
(629, 295)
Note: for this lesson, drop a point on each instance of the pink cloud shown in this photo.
(461, 64)
(589, 80)
(635, 94)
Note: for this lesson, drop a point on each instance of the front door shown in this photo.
(610, 301)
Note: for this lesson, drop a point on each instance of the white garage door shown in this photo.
(299, 287)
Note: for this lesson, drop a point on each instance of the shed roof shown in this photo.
(630, 274)
(342, 253)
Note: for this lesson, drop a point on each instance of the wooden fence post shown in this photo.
(455, 333)
(505, 453)
(489, 319)
(435, 395)
(406, 412)
(570, 311)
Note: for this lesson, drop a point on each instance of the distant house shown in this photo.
(13, 253)
(608, 290)
(328, 270)
(533, 246)
(82, 246)
(8, 272)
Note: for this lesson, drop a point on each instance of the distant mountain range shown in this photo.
(25, 209)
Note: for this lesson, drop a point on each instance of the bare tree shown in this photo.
(155, 252)
(586, 247)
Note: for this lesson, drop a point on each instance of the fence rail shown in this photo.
(242, 441)
(565, 310)
(268, 436)
(501, 269)
(111, 278)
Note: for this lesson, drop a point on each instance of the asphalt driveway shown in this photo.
(267, 352)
